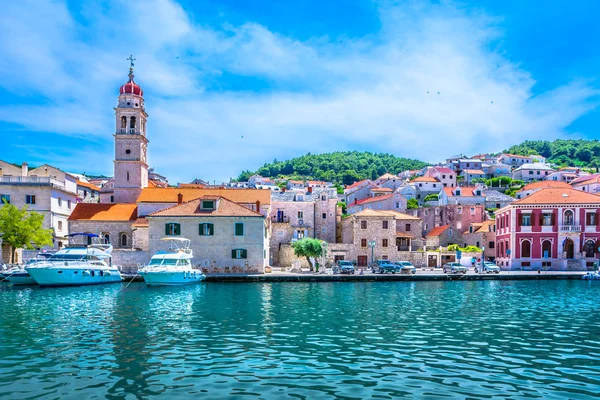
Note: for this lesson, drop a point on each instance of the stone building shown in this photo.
(392, 201)
(392, 232)
(443, 236)
(357, 191)
(225, 237)
(46, 190)
(297, 214)
(482, 235)
(467, 195)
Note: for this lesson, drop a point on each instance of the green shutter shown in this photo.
(244, 253)
(201, 229)
(239, 229)
(177, 229)
(233, 253)
(211, 229)
(167, 229)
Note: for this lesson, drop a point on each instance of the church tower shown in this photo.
(131, 144)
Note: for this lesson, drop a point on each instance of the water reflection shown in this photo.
(322, 340)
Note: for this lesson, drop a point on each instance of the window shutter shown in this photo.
(167, 229)
(211, 229)
(200, 229)
(541, 219)
(233, 253)
(177, 229)
(244, 253)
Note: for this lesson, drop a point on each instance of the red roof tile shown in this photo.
(559, 196)
(438, 230)
(169, 195)
(104, 212)
(224, 208)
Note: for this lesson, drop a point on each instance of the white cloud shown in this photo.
(427, 85)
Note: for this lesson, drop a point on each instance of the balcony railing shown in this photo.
(31, 180)
(570, 228)
(128, 131)
(280, 220)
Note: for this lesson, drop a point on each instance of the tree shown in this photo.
(308, 248)
(412, 204)
(20, 228)
(431, 197)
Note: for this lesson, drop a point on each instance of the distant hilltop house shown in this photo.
(532, 172)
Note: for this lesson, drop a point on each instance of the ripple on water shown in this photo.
(332, 340)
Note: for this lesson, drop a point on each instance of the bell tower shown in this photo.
(131, 144)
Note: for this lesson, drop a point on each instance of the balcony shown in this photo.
(32, 180)
(127, 131)
(280, 220)
(570, 228)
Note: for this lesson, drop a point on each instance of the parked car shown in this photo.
(488, 267)
(345, 267)
(406, 267)
(385, 266)
(454, 268)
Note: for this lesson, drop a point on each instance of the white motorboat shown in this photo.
(173, 266)
(77, 264)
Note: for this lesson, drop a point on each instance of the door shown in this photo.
(362, 261)
(338, 258)
(570, 249)
(279, 216)
(432, 261)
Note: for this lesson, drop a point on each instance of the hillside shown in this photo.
(577, 153)
(338, 167)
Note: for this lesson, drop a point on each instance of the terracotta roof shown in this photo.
(584, 178)
(387, 176)
(474, 171)
(384, 213)
(465, 191)
(514, 155)
(404, 234)
(381, 190)
(443, 170)
(296, 182)
(438, 230)
(316, 182)
(426, 179)
(192, 185)
(559, 196)
(590, 179)
(192, 208)
(169, 195)
(357, 184)
(140, 223)
(544, 185)
(373, 199)
(485, 226)
(104, 212)
(88, 185)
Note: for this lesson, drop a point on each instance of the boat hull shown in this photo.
(73, 277)
(21, 278)
(171, 278)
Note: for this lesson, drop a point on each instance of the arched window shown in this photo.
(106, 237)
(525, 249)
(123, 122)
(590, 248)
(547, 249)
(568, 218)
(501, 249)
(132, 124)
(123, 240)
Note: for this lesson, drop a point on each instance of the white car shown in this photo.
(488, 267)
(454, 268)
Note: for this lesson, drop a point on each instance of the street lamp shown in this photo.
(372, 244)
(482, 257)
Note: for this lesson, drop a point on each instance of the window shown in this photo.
(300, 214)
(459, 210)
(443, 176)
(525, 220)
(407, 227)
(324, 215)
(69, 204)
(525, 249)
(112, 199)
(60, 225)
(491, 245)
(530, 172)
(384, 243)
(206, 229)
(29, 199)
(324, 230)
(363, 224)
(547, 249)
(208, 204)
(323, 197)
(280, 234)
(384, 224)
(472, 210)
(127, 176)
(123, 240)
(590, 219)
(546, 219)
(132, 124)
(172, 229)
(397, 205)
(384, 257)
(239, 254)
(568, 218)
(123, 122)
(239, 229)
(59, 202)
(589, 248)
(363, 242)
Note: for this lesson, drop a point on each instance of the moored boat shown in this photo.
(87, 263)
(173, 266)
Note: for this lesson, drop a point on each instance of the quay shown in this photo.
(277, 276)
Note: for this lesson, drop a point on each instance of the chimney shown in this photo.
(179, 198)
(24, 169)
(257, 206)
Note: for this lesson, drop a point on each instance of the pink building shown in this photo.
(554, 228)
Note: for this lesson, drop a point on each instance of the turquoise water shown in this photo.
(490, 339)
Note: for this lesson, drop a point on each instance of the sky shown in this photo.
(232, 84)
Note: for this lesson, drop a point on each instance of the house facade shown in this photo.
(554, 228)
(391, 201)
(532, 172)
(444, 175)
(468, 195)
(457, 216)
(357, 191)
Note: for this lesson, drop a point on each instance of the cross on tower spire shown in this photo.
(131, 60)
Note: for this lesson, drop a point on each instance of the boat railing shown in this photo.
(84, 264)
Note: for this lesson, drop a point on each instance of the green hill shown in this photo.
(338, 167)
(575, 152)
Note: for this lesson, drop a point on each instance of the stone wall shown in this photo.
(113, 228)
(130, 259)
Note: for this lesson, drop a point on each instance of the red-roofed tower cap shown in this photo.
(131, 87)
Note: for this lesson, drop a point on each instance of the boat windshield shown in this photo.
(163, 261)
(71, 257)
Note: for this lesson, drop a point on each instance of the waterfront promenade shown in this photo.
(421, 275)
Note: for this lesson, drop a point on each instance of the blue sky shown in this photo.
(230, 84)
